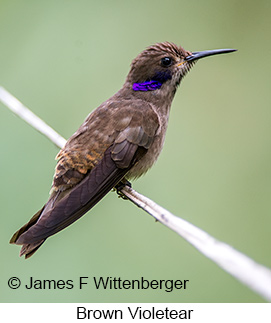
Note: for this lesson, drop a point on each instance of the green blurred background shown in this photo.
(62, 59)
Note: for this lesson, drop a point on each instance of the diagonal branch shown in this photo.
(28, 116)
(255, 276)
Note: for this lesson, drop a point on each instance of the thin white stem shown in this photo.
(27, 115)
(255, 276)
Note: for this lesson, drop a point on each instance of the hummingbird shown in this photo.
(119, 141)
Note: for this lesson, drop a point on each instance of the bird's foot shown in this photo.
(120, 186)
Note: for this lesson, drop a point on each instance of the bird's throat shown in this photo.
(155, 82)
(147, 86)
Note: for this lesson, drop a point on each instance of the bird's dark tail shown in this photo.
(28, 249)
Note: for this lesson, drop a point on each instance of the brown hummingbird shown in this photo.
(118, 141)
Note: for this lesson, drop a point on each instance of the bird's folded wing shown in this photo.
(82, 197)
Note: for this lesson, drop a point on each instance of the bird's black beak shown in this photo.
(205, 53)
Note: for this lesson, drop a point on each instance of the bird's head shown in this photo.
(162, 67)
(159, 64)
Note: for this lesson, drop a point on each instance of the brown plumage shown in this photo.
(119, 140)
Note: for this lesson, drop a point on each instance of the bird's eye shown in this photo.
(166, 61)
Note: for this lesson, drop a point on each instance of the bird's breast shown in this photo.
(147, 161)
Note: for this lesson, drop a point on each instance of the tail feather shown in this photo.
(28, 250)
(24, 228)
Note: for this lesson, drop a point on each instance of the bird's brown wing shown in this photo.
(130, 143)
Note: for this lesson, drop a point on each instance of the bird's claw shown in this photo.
(120, 186)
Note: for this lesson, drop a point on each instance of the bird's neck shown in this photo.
(154, 92)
